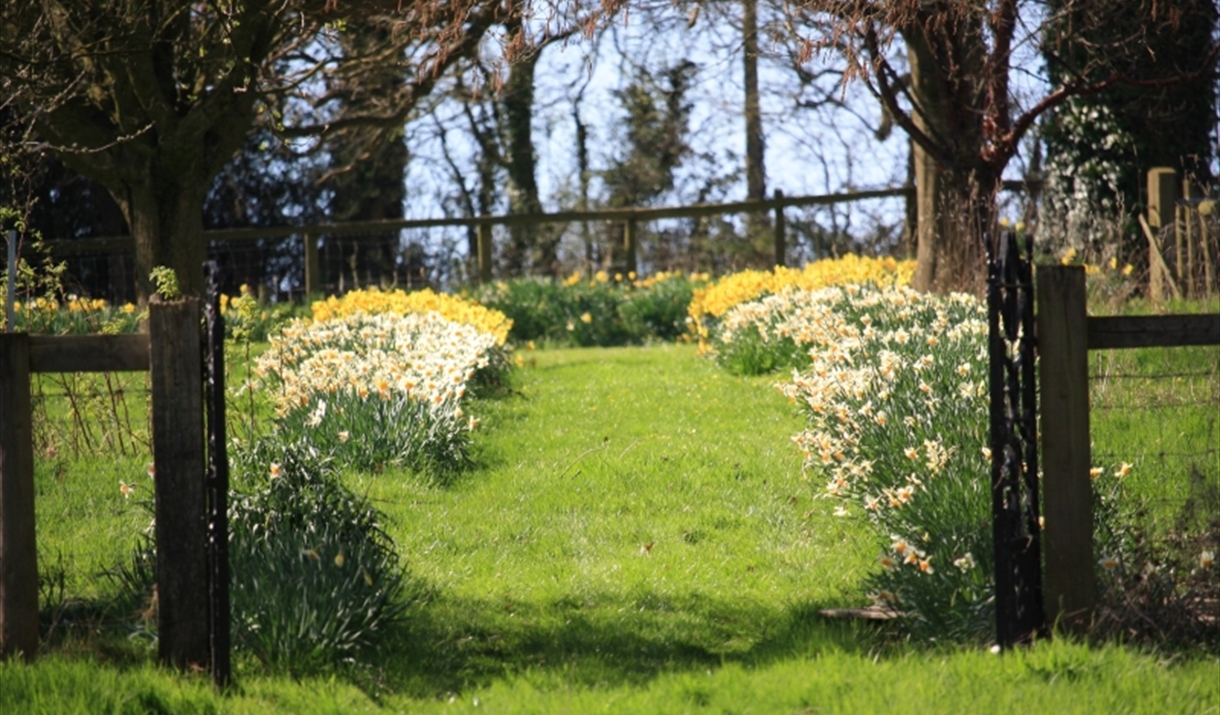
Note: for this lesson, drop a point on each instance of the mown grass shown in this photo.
(635, 536)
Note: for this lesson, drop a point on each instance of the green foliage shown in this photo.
(315, 577)
(248, 322)
(1154, 425)
(658, 310)
(751, 352)
(165, 281)
(600, 312)
(658, 114)
(1100, 146)
(371, 433)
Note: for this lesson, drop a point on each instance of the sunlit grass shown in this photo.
(635, 536)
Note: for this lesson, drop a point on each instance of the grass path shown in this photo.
(636, 511)
(635, 537)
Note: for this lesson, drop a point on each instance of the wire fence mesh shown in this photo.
(1155, 424)
(1158, 409)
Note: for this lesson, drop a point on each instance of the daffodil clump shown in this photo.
(247, 320)
(453, 308)
(1110, 282)
(377, 390)
(709, 304)
(603, 309)
(74, 315)
(895, 395)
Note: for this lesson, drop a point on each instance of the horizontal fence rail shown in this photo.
(89, 353)
(118, 244)
(1152, 331)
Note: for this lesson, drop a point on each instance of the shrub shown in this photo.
(602, 311)
(656, 308)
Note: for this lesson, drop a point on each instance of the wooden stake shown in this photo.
(781, 225)
(181, 502)
(483, 239)
(1067, 498)
(629, 247)
(313, 267)
(18, 553)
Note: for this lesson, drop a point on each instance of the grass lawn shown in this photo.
(635, 536)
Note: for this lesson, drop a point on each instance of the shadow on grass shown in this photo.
(448, 645)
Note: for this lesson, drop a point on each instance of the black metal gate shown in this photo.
(217, 480)
(1014, 442)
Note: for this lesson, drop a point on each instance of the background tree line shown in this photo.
(161, 119)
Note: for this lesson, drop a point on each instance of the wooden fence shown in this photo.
(630, 218)
(1065, 334)
(1183, 233)
(170, 351)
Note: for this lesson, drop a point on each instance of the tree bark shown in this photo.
(527, 244)
(756, 172)
(374, 160)
(955, 194)
(166, 220)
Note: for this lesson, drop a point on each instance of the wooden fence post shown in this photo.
(629, 247)
(18, 553)
(1067, 501)
(1162, 200)
(181, 498)
(781, 228)
(313, 266)
(482, 234)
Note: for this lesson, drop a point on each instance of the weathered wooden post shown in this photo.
(483, 241)
(1162, 199)
(181, 498)
(1067, 492)
(781, 228)
(629, 247)
(313, 266)
(18, 553)
(1210, 256)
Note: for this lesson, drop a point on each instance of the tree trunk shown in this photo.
(952, 215)
(526, 241)
(165, 215)
(756, 172)
(955, 194)
(371, 186)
